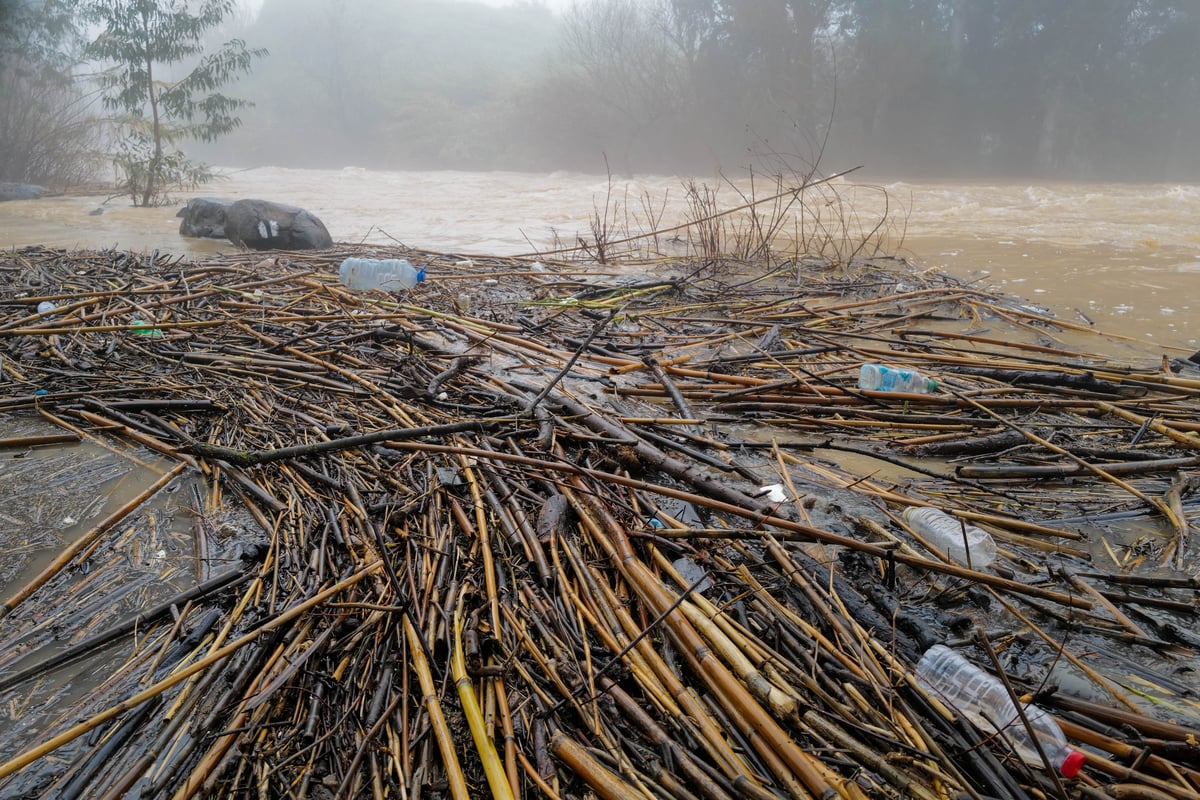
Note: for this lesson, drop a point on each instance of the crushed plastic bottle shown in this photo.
(142, 328)
(982, 698)
(45, 307)
(880, 378)
(972, 547)
(388, 274)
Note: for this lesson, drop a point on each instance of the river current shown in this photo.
(1125, 257)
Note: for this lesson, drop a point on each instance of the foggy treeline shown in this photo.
(970, 88)
(1048, 88)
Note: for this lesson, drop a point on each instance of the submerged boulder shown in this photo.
(203, 218)
(263, 225)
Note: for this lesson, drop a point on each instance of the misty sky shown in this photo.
(555, 5)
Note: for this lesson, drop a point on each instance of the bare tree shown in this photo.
(47, 133)
(630, 78)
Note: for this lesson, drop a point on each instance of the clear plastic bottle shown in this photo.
(389, 274)
(946, 535)
(982, 698)
(877, 377)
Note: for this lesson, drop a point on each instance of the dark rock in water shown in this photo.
(95, 212)
(203, 218)
(20, 191)
(256, 224)
(263, 225)
(1188, 367)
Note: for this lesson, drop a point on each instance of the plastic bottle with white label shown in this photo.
(981, 697)
(964, 544)
(388, 274)
(877, 377)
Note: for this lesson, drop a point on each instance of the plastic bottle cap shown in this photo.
(1072, 764)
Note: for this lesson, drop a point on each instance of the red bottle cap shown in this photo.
(1072, 764)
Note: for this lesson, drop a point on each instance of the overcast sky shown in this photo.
(556, 5)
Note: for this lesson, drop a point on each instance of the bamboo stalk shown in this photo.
(493, 768)
(23, 442)
(603, 781)
(52, 744)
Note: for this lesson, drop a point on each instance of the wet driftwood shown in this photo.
(515, 540)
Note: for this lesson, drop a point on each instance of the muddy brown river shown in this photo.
(1125, 257)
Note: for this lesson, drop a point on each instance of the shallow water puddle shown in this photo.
(141, 546)
(53, 495)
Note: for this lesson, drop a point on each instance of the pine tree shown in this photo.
(139, 43)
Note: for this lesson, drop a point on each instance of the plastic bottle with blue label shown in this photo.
(877, 377)
(388, 274)
(981, 697)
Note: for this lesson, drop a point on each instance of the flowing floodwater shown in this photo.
(1124, 256)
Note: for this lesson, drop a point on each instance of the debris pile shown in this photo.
(555, 531)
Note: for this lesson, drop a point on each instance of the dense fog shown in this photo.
(1075, 89)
